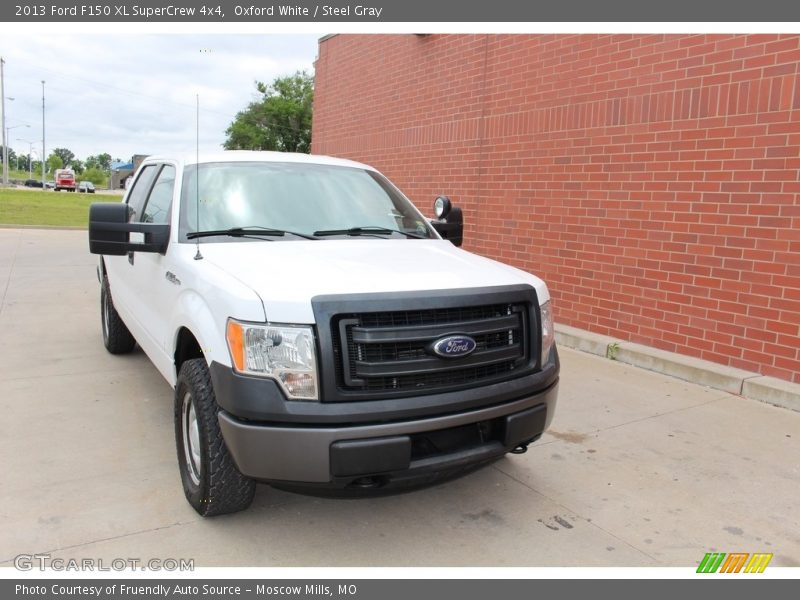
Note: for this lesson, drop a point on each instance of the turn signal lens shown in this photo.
(548, 331)
(235, 336)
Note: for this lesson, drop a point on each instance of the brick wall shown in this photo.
(651, 180)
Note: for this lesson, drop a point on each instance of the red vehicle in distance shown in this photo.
(65, 180)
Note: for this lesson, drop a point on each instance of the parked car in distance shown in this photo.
(86, 187)
(33, 183)
(319, 332)
(50, 185)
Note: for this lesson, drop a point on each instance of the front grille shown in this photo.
(389, 352)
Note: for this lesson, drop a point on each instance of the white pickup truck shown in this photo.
(320, 333)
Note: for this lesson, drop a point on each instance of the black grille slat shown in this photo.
(432, 316)
(390, 351)
(434, 365)
(367, 335)
(439, 381)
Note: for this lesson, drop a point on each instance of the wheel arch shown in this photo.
(186, 348)
(196, 333)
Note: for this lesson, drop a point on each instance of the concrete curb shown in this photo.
(773, 390)
(736, 381)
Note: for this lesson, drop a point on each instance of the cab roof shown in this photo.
(191, 158)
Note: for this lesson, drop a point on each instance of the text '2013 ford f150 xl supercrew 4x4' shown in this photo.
(320, 333)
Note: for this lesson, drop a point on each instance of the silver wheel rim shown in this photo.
(191, 439)
(105, 318)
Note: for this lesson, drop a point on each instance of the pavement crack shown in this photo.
(108, 539)
(11, 271)
(268, 506)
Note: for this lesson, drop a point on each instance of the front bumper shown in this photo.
(387, 452)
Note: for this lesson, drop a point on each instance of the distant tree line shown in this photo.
(93, 168)
(278, 119)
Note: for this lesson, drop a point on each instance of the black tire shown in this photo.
(217, 487)
(116, 337)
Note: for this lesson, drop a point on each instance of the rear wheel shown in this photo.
(211, 482)
(116, 337)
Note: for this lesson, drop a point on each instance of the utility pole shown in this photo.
(3, 124)
(44, 156)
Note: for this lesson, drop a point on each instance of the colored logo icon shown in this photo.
(734, 562)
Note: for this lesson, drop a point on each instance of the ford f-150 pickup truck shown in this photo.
(319, 332)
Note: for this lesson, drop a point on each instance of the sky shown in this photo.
(136, 94)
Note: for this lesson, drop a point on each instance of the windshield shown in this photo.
(295, 197)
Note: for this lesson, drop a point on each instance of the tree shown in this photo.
(279, 120)
(65, 155)
(101, 161)
(95, 175)
(77, 166)
(12, 156)
(54, 162)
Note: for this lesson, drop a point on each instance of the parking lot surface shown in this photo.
(638, 469)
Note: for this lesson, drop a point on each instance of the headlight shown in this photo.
(283, 352)
(548, 333)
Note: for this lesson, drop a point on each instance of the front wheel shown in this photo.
(211, 482)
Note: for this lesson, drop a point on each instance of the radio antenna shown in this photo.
(197, 256)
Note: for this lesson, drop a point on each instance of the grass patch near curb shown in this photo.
(48, 208)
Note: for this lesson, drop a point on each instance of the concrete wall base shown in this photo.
(703, 372)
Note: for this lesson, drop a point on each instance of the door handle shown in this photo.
(130, 257)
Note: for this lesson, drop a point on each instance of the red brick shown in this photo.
(659, 200)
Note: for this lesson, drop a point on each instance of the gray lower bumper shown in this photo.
(303, 454)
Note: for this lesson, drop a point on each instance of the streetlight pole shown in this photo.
(7, 141)
(44, 154)
(3, 120)
(7, 137)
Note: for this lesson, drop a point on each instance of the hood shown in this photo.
(288, 274)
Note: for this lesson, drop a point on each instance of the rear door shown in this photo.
(155, 287)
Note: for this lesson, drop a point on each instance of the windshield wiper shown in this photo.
(247, 232)
(368, 230)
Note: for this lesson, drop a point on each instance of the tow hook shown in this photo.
(521, 449)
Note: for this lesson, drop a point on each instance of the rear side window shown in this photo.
(158, 205)
(141, 187)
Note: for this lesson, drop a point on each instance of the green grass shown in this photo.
(52, 209)
(23, 175)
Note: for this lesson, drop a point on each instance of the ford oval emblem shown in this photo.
(454, 346)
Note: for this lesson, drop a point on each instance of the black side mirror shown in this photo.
(109, 231)
(449, 222)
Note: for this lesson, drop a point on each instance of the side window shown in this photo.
(157, 208)
(141, 187)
